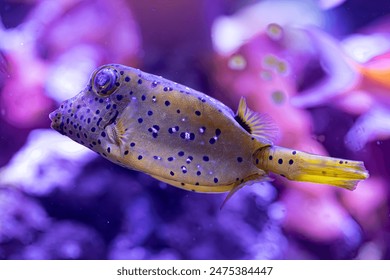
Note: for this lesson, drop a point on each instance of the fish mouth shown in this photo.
(56, 121)
(52, 115)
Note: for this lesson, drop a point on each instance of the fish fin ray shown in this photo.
(120, 130)
(248, 181)
(259, 125)
(306, 167)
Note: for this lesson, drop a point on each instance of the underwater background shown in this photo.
(319, 68)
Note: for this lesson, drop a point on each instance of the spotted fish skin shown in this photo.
(186, 138)
(150, 124)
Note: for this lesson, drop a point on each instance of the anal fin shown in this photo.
(256, 178)
(231, 188)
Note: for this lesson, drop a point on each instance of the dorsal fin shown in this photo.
(259, 125)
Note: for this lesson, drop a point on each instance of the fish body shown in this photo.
(181, 136)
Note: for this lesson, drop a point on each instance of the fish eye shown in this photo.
(105, 81)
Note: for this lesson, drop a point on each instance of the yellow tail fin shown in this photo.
(300, 166)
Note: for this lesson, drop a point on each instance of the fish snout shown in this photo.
(56, 121)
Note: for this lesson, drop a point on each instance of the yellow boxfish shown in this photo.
(184, 137)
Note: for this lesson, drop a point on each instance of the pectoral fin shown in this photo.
(119, 132)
